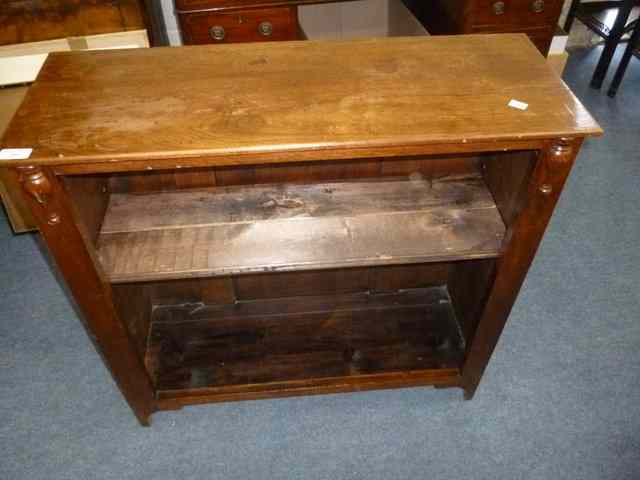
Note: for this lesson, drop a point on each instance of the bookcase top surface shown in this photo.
(243, 100)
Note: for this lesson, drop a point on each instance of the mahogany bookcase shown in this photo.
(251, 221)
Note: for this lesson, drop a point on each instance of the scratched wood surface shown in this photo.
(228, 103)
(302, 338)
(297, 227)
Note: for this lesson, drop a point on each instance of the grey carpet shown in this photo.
(560, 399)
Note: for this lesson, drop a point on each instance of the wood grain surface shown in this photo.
(240, 101)
(236, 230)
(302, 338)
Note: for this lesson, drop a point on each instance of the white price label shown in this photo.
(513, 103)
(15, 153)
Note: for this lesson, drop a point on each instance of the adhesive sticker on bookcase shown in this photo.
(15, 153)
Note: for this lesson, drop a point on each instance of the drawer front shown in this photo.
(258, 25)
(528, 13)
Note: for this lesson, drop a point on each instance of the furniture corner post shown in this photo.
(75, 257)
(571, 15)
(611, 43)
(521, 242)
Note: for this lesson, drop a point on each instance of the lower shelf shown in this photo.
(335, 343)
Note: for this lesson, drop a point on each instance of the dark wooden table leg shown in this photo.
(571, 15)
(611, 43)
(522, 240)
(624, 62)
(74, 256)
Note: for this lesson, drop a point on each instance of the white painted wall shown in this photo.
(362, 18)
(358, 19)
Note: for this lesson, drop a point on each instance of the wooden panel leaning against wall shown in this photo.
(32, 21)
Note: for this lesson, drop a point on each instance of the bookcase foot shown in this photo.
(469, 392)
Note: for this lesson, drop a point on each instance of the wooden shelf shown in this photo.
(305, 341)
(235, 230)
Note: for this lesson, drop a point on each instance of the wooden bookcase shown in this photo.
(295, 218)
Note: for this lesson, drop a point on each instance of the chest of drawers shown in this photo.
(214, 21)
(295, 218)
(537, 18)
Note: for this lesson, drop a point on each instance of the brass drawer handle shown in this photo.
(498, 8)
(217, 33)
(537, 6)
(265, 28)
